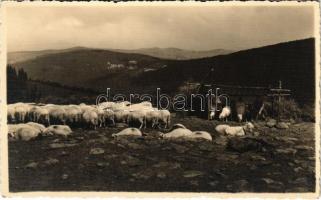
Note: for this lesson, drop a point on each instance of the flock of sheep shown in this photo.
(27, 120)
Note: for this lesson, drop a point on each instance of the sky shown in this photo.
(204, 27)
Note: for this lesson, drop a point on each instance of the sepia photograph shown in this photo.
(174, 97)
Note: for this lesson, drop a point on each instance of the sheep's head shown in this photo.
(249, 126)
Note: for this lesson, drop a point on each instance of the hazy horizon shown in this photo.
(193, 28)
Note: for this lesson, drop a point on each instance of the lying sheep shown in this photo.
(221, 128)
(27, 133)
(177, 133)
(62, 130)
(128, 132)
(235, 130)
(226, 112)
(37, 126)
(178, 126)
(200, 135)
(184, 133)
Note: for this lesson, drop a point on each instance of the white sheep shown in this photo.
(152, 117)
(11, 113)
(27, 133)
(90, 118)
(109, 115)
(37, 126)
(21, 112)
(137, 116)
(73, 114)
(226, 112)
(164, 117)
(178, 126)
(239, 130)
(221, 128)
(39, 114)
(177, 133)
(62, 130)
(57, 114)
(200, 135)
(121, 116)
(128, 132)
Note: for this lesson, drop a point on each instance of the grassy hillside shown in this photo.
(291, 62)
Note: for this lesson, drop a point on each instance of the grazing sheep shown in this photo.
(152, 117)
(240, 109)
(137, 117)
(121, 116)
(109, 116)
(226, 111)
(101, 116)
(239, 130)
(164, 117)
(73, 114)
(221, 128)
(21, 113)
(90, 117)
(11, 113)
(62, 130)
(57, 114)
(200, 135)
(39, 114)
(128, 132)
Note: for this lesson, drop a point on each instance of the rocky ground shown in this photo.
(269, 160)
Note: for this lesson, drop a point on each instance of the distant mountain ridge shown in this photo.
(292, 62)
(176, 53)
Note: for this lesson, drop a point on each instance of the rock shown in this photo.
(194, 182)
(161, 175)
(192, 174)
(282, 125)
(32, 165)
(135, 146)
(102, 164)
(271, 123)
(65, 176)
(245, 144)
(272, 184)
(121, 125)
(221, 140)
(304, 148)
(206, 147)
(301, 181)
(213, 183)
(217, 172)
(180, 148)
(241, 185)
(60, 145)
(286, 151)
(131, 161)
(298, 169)
(64, 153)
(51, 161)
(146, 174)
(96, 151)
(258, 158)
(168, 165)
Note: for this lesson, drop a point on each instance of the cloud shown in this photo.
(130, 27)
